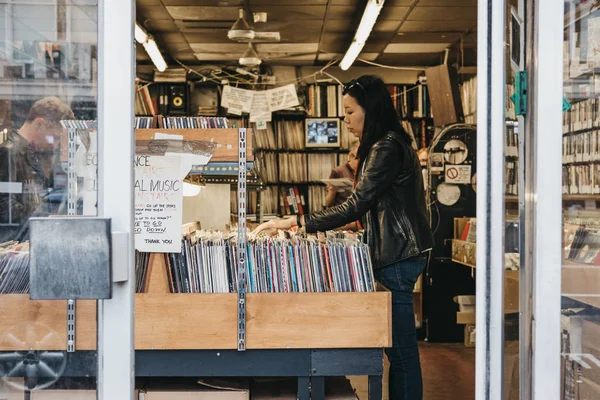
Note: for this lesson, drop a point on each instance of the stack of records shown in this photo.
(14, 268)
(141, 271)
(144, 122)
(208, 264)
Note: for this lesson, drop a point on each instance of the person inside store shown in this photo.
(26, 159)
(388, 202)
(346, 171)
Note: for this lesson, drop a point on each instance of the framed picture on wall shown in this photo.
(323, 132)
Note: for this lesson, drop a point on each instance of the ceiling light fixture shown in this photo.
(140, 35)
(241, 31)
(154, 53)
(250, 57)
(151, 48)
(365, 27)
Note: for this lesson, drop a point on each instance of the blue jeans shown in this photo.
(405, 381)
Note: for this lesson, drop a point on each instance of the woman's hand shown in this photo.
(283, 223)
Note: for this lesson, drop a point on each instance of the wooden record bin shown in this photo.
(169, 321)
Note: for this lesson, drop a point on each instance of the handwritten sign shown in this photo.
(260, 108)
(86, 167)
(282, 97)
(158, 203)
(237, 99)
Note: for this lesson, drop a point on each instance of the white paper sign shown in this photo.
(158, 203)
(282, 97)
(260, 108)
(458, 174)
(237, 99)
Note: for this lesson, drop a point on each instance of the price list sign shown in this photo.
(158, 203)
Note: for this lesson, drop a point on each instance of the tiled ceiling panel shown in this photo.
(443, 14)
(439, 26)
(311, 30)
(203, 13)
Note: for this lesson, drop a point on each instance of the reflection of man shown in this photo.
(24, 170)
(345, 171)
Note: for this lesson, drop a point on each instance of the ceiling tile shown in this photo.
(386, 26)
(173, 38)
(448, 3)
(426, 37)
(443, 14)
(139, 3)
(393, 13)
(284, 13)
(152, 12)
(408, 60)
(416, 47)
(255, 3)
(203, 13)
(160, 25)
(353, 3)
(260, 47)
(437, 26)
(344, 12)
(217, 3)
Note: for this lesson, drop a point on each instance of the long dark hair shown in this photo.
(380, 115)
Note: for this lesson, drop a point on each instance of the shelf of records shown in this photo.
(278, 200)
(464, 244)
(410, 101)
(584, 115)
(581, 180)
(297, 167)
(290, 134)
(196, 122)
(468, 95)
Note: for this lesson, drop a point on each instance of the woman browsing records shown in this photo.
(388, 202)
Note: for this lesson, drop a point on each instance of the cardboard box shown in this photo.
(204, 390)
(465, 303)
(12, 389)
(51, 394)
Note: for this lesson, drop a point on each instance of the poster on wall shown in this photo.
(158, 191)
(260, 108)
(236, 99)
(458, 174)
(282, 97)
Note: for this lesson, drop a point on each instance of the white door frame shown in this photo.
(491, 81)
(116, 139)
(545, 22)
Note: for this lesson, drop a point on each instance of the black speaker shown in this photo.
(177, 99)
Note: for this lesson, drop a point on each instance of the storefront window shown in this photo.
(580, 323)
(48, 167)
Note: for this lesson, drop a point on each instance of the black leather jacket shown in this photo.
(389, 199)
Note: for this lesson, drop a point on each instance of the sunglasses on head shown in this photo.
(352, 84)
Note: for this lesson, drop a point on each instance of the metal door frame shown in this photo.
(116, 139)
(491, 80)
(543, 191)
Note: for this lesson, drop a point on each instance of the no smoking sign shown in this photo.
(458, 174)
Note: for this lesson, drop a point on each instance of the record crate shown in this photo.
(174, 321)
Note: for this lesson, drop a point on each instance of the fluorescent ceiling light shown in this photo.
(351, 54)
(140, 35)
(151, 48)
(154, 53)
(367, 22)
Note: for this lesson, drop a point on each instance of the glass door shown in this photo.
(65, 307)
(578, 265)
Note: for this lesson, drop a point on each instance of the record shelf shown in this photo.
(304, 335)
